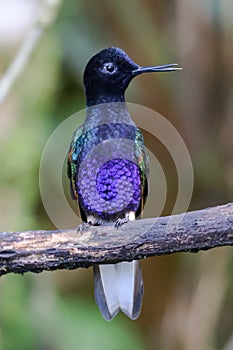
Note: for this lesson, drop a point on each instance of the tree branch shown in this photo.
(36, 251)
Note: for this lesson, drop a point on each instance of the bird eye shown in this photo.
(109, 68)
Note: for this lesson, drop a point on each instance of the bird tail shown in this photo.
(119, 287)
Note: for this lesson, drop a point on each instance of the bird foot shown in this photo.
(121, 222)
(91, 221)
(84, 227)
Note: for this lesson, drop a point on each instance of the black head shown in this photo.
(109, 72)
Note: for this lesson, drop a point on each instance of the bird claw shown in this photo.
(121, 222)
(84, 227)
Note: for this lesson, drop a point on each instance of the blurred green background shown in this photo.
(188, 298)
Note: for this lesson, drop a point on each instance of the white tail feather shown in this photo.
(125, 283)
(119, 287)
(109, 283)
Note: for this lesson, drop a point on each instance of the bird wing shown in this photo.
(72, 161)
(143, 163)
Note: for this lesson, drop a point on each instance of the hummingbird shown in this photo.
(108, 170)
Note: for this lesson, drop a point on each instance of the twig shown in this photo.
(45, 18)
(36, 251)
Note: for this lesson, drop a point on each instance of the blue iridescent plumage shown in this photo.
(121, 174)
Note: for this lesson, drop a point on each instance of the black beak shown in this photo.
(164, 68)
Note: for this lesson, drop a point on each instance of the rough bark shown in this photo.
(36, 251)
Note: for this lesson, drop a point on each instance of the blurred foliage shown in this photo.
(30, 320)
(188, 298)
